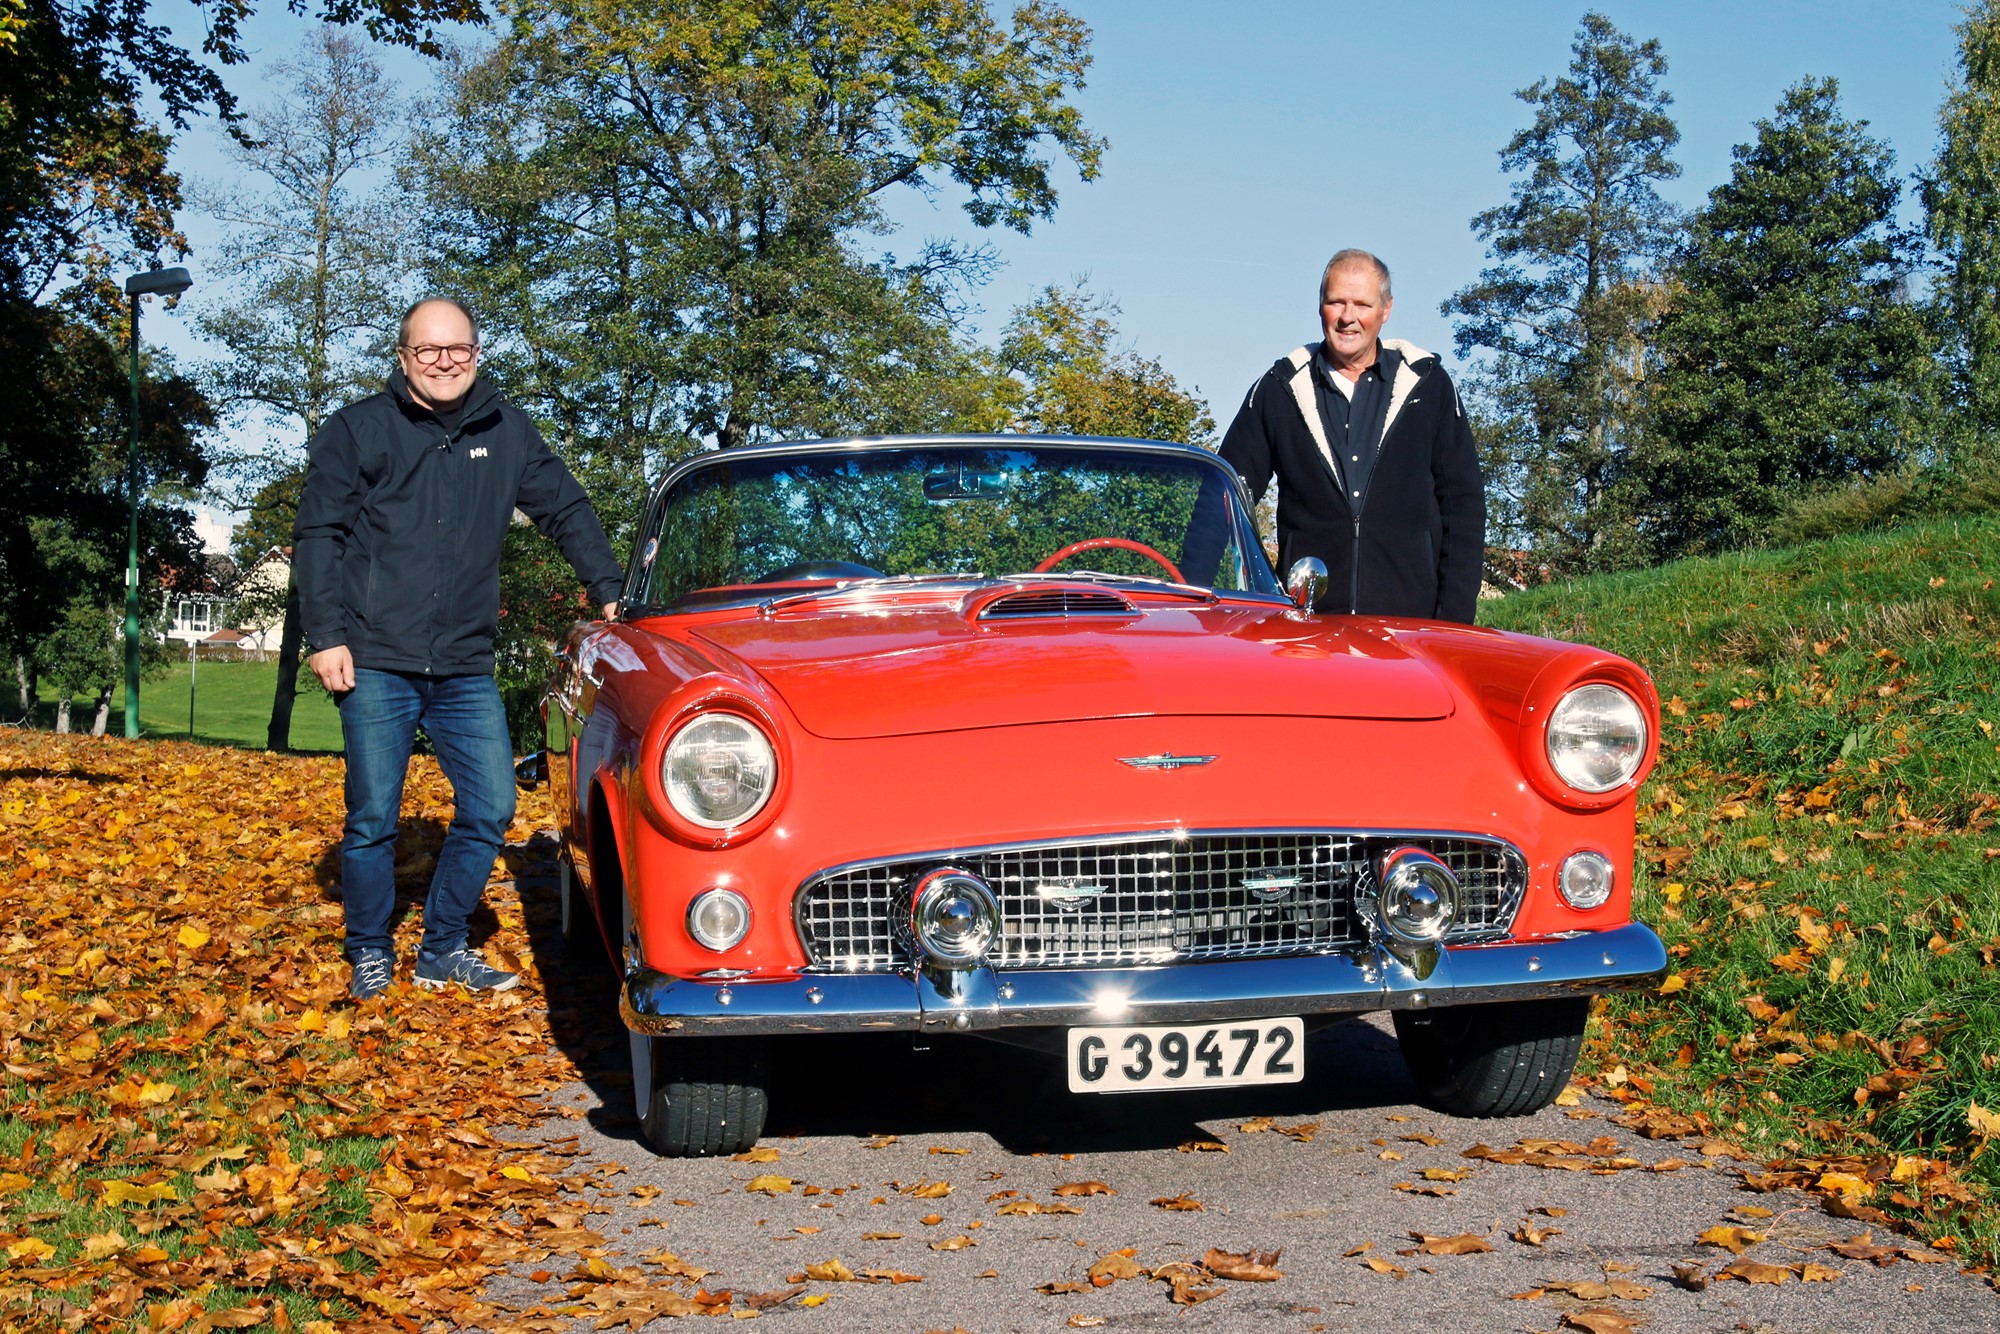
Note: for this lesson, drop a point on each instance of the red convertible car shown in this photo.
(1019, 738)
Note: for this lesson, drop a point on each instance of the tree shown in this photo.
(1791, 352)
(1961, 195)
(1561, 313)
(670, 224)
(667, 212)
(85, 194)
(315, 255)
(63, 473)
(1070, 374)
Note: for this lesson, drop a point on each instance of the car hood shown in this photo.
(875, 672)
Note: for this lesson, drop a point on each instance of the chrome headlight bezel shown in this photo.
(723, 750)
(1596, 738)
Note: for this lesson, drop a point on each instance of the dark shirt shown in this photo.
(1354, 428)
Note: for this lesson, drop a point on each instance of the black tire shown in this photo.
(1505, 1059)
(699, 1097)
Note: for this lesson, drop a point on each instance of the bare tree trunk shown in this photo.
(24, 673)
(62, 712)
(103, 712)
(279, 737)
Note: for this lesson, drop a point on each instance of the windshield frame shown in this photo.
(635, 574)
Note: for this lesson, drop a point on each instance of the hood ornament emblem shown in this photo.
(1166, 760)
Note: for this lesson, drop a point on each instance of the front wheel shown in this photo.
(699, 1097)
(1505, 1059)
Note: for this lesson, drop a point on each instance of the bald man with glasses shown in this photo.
(407, 501)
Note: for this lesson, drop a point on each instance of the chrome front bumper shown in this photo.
(1626, 958)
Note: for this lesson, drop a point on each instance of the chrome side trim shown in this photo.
(1625, 958)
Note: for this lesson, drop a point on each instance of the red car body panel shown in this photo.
(905, 721)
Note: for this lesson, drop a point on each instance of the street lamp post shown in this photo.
(161, 282)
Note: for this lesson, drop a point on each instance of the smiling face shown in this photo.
(438, 330)
(1352, 310)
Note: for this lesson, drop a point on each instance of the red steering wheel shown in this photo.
(1098, 543)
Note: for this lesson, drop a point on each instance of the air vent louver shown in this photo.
(1045, 603)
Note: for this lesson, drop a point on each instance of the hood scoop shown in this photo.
(1049, 604)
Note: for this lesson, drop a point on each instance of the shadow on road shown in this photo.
(891, 1084)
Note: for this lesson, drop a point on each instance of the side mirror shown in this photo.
(1305, 581)
(532, 769)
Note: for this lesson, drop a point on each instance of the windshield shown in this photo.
(948, 510)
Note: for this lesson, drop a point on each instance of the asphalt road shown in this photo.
(865, 1128)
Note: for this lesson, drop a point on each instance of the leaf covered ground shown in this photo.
(199, 1130)
(1820, 848)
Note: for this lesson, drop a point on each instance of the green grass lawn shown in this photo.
(232, 706)
(1820, 847)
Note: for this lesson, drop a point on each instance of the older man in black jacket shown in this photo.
(407, 499)
(1377, 472)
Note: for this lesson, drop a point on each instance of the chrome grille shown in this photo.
(1154, 898)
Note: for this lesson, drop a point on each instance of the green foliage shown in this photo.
(663, 215)
(66, 403)
(1814, 846)
(539, 601)
(1961, 194)
(1790, 353)
(1562, 309)
(1074, 376)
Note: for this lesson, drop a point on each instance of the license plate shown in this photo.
(1131, 1060)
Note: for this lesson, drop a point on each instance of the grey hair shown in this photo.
(1352, 256)
(403, 327)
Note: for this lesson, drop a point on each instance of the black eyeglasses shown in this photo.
(427, 354)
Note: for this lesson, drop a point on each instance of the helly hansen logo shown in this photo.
(478, 453)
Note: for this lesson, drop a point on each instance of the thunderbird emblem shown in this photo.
(1169, 760)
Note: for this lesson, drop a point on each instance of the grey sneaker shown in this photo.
(374, 970)
(465, 968)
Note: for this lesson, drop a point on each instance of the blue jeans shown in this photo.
(467, 725)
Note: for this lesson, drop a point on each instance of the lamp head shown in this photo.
(158, 282)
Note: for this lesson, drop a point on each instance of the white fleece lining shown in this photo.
(1302, 394)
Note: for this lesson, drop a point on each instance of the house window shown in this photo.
(193, 617)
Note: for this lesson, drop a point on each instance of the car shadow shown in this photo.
(897, 1084)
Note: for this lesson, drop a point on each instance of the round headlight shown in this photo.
(719, 770)
(1587, 879)
(719, 919)
(1419, 896)
(955, 918)
(1596, 738)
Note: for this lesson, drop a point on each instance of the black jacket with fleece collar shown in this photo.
(1415, 542)
(397, 544)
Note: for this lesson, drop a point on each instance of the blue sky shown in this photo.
(1247, 144)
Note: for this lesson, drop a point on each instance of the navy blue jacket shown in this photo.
(397, 545)
(1414, 542)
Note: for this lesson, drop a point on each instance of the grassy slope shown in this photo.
(232, 704)
(1819, 849)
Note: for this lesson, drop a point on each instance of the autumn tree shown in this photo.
(1961, 195)
(1559, 317)
(1791, 352)
(1071, 373)
(312, 258)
